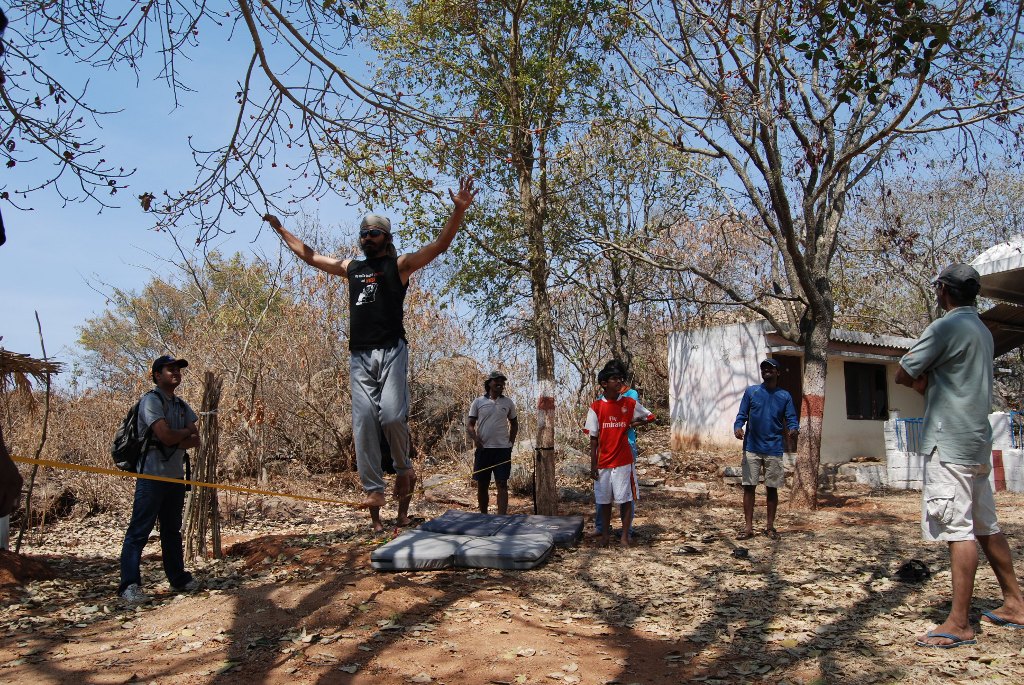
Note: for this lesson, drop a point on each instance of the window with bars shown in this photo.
(866, 392)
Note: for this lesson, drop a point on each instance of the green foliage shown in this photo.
(516, 82)
(222, 299)
(872, 43)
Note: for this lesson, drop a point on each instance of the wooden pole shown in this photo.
(39, 448)
(203, 513)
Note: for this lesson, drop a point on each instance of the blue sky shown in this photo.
(58, 258)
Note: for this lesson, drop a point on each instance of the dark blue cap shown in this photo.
(168, 360)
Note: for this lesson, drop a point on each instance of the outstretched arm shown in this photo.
(330, 265)
(414, 261)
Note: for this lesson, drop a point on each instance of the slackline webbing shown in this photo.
(221, 486)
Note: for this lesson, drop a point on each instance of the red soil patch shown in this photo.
(18, 569)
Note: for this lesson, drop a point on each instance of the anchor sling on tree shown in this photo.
(379, 355)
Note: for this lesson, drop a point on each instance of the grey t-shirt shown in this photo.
(164, 461)
(492, 417)
(956, 353)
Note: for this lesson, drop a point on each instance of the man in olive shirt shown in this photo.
(951, 364)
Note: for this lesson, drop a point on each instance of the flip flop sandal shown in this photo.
(686, 549)
(996, 620)
(771, 533)
(740, 553)
(745, 536)
(913, 571)
(956, 641)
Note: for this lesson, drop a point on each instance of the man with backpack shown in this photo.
(168, 427)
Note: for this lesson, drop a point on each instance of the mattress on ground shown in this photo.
(565, 530)
(424, 550)
(520, 551)
(416, 549)
(456, 522)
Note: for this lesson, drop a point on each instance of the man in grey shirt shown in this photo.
(171, 423)
(492, 427)
(951, 365)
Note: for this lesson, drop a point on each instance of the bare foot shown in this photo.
(604, 539)
(375, 499)
(378, 526)
(404, 485)
(625, 541)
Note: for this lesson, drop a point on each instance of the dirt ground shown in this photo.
(296, 601)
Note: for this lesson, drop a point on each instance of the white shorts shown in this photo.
(957, 503)
(615, 485)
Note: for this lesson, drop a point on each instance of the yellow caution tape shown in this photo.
(217, 486)
(165, 479)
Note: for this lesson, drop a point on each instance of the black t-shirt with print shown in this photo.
(376, 298)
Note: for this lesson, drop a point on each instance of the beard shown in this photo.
(371, 251)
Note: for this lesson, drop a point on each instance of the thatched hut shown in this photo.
(16, 372)
(17, 368)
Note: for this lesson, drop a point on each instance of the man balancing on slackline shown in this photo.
(379, 356)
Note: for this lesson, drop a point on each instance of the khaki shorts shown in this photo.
(755, 464)
(957, 503)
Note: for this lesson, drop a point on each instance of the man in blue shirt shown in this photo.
(768, 412)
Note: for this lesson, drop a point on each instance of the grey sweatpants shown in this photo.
(380, 403)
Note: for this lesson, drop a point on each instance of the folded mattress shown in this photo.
(564, 530)
(426, 550)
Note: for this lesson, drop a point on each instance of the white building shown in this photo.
(710, 368)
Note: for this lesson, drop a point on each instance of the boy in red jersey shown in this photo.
(611, 458)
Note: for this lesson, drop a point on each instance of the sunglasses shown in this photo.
(372, 232)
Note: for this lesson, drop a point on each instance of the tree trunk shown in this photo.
(804, 492)
(545, 491)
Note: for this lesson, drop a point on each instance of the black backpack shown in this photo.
(129, 448)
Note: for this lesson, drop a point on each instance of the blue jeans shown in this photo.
(155, 500)
(597, 507)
